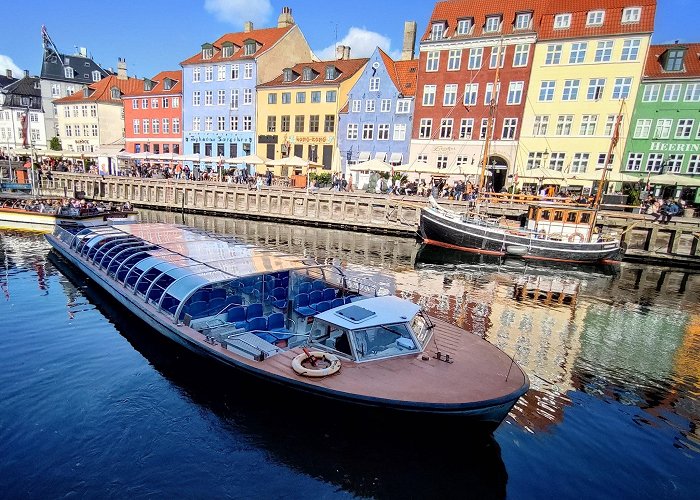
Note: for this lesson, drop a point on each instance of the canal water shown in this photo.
(95, 404)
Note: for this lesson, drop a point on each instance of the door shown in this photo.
(327, 157)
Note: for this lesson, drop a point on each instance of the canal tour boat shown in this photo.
(304, 325)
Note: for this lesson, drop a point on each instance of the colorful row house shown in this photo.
(220, 81)
(153, 115)
(21, 114)
(665, 125)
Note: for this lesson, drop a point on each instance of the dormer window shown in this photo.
(96, 76)
(331, 73)
(595, 18)
(207, 51)
(250, 47)
(631, 15)
(227, 50)
(437, 32)
(673, 60)
(308, 74)
(86, 92)
(68, 72)
(522, 21)
(147, 85)
(115, 93)
(493, 24)
(288, 75)
(464, 26)
(167, 84)
(562, 21)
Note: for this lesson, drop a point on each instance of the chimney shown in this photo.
(8, 73)
(83, 51)
(248, 26)
(121, 69)
(346, 52)
(342, 52)
(26, 73)
(285, 20)
(409, 41)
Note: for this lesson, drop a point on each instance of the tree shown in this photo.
(55, 144)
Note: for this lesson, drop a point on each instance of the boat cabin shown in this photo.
(561, 222)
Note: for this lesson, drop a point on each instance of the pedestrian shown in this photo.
(350, 188)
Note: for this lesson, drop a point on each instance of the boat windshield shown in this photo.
(383, 341)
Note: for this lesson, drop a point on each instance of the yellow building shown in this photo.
(587, 65)
(297, 112)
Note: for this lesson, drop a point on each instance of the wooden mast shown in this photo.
(491, 118)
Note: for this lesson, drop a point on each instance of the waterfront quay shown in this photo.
(674, 243)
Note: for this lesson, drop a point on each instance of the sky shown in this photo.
(156, 35)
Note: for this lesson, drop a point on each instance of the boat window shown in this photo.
(383, 341)
(558, 216)
(545, 215)
(107, 245)
(571, 217)
(128, 264)
(122, 255)
(420, 328)
(332, 337)
(117, 249)
(585, 218)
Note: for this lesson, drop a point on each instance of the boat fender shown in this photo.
(575, 238)
(332, 360)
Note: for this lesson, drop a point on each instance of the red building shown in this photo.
(467, 46)
(153, 115)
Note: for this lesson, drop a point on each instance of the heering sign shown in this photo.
(675, 147)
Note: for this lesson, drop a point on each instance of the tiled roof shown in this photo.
(158, 85)
(266, 38)
(403, 73)
(452, 11)
(101, 91)
(612, 24)
(654, 66)
(345, 67)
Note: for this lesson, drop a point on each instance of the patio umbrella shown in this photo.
(290, 161)
(250, 160)
(373, 165)
(189, 157)
(674, 180)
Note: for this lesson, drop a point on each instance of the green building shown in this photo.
(664, 134)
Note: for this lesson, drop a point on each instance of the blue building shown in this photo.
(219, 85)
(377, 120)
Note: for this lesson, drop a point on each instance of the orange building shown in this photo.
(153, 114)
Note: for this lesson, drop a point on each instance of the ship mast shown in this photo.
(613, 142)
(491, 118)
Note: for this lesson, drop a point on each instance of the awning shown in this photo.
(380, 156)
(396, 158)
(364, 156)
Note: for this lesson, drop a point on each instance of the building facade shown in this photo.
(377, 120)
(219, 85)
(63, 75)
(587, 67)
(665, 126)
(153, 115)
(93, 119)
(474, 55)
(21, 115)
(298, 110)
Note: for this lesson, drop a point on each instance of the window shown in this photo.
(446, 125)
(603, 160)
(441, 162)
(315, 96)
(564, 123)
(146, 125)
(522, 21)
(642, 129)
(272, 98)
(221, 72)
(227, 51)
(307, 74)
(248, 71)
(207, 52)
(115, 93)
(285, 123)
(596, 87)
(176, 102)
(248, 122)
(370, 106)
(166, 102)
(684, 129)
(674, 163)
(484, 128)
(595, 18)
(137, 127)
(195, 124)
(553, 55)
(93, 110)
(221, 97)
(195, 98)
(634, 162)
(352, 131)
(301, 97)
(55, 90)
(475, 57)
(403, 106)
(314, 123)
(176, 125)
(603, 51)
(578, 52)
(437, 31)
(464, 26)
(383, 132)
(454, 60)
(196, 75)
(399, 132)
(493, 24)
(426, 128)
(68, 72)
(694, 164)
(630, 49)
(651, 93)
(672, 92)
(515, 93)
(166, 126)
(521, 55)
(510, 125)
(208, 97)
(588, 124)
(450, 97)
(234, 123)
(534, 160)
(570, 90)
(331, 95)
(367, 131)
(466, 128)
(374, 84)
(234, 99)
(247, 96)
(471, 94)
(432, 62)
(385, 106)
(356, 106)
(663, 128)
(329, 123)
(66, 112)
(69, 131)
(489, 91)
(249, 48)
(84, 110)
(155, 125)
(562, 21)
(631, 15)
(331, 73)
(580, 162)
(547, 90)
(299, 123)
(654, 162)
(498, 55)
(556, 161)
(540, 126)
(429, 95)
(94, 130)
(234, 72)
(622, 87)
(286, 97)
(272, 124)
(674, 60)
(208, 123)
(70, 90)
(692, 92)
(208, 73)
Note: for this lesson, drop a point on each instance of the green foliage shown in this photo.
(323, 178)
(55, 144)
(633, 194)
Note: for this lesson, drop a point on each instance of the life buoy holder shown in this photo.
(331, 360)
(576, 238)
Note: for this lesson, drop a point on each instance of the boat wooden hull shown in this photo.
(437, 229)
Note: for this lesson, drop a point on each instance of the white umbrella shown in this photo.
(373, 165)
(250, 160)
(189, 157)
(673, 180)
(290, 161)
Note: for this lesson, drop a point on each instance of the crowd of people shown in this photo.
(663, 210)
(64, 206)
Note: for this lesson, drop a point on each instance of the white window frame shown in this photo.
(429, 92)
(432, 61)
(449, 97)
(521, 55)
(603, 51)
(651, 93)
(571, 90)
(547, 90)
(515, 93)
(578, 53)
(454, 60)
(634, 162)
(562, 21)
(642, 128)
(595, 18)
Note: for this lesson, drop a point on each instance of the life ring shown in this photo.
(331, 360)
(575, 238)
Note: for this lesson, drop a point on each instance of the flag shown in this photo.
(25, 129)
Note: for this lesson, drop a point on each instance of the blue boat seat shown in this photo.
(322, 306)
(197, 309)
(337, 302)
(259, 323)
(234, 300)
(276, 323)
(318, 285)
(315, 297)
(218, 292)
(216, 305)
(305, 287)
(254, 311)
(278, 298)
(301, 305)
(329, 294)
(237, 316)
